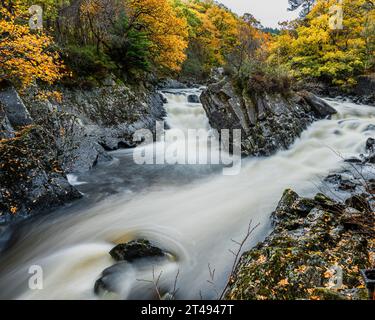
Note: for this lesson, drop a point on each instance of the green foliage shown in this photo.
(259, 78)
(131, 52)
(313, 50)
(87, 62)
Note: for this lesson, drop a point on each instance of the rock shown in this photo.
(296, 261)
(353, 160)
(135, 250)
(365, 89)
(104, 119)
(31, 180)
(370, 145)
(292, 209)
(6, 129)
(113, 280)
(268, 122)
(370, 127)
(110, 281)
(14, 108)
(320, 108)
(193, 98)
(171, 84)
(359, 202)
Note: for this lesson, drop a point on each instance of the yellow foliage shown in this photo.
(24, 54)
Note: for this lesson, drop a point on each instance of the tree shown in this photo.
(213, 32)
(250, 47)
(25, 55)
(304, 5)
(127, 29)
(314, 50)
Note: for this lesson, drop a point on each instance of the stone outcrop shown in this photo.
(269, 122)
(98, 120)
(6, 129)
(31, 179)
(318, 246)
(42, 141)
(134, 250)
(362, 93)
(14, 108)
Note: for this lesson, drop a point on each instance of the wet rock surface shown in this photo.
(98, 120)
(43, 140)
(131, 257)
(193, 98)
(362, 93)
(31, 179)
(318, 246)
(134, 250)
(269, 122)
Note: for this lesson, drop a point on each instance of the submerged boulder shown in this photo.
(135, 250)
(268, 121)
(115, 281)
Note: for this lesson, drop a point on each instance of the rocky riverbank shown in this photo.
(44, 140)
(269, 121)
(319, 245)
(362, 93)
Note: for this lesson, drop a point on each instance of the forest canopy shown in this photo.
(91, 39)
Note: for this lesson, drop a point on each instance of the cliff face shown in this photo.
(269, 122)
(42, 141)
(97, 120)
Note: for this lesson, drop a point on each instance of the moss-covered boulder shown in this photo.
(313, 253)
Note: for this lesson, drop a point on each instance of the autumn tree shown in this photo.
(137, 32)
(316, 50)
(213, 32)
(25, 55)
(251, 46)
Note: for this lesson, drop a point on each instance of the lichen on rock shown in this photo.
(316, 251)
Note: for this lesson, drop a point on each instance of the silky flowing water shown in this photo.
(192, 211)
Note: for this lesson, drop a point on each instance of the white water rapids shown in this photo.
(191, 211)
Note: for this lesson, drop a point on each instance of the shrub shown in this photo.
(87, 62)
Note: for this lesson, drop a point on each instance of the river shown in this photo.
(192, 211)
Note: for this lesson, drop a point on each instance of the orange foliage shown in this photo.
(24, 55)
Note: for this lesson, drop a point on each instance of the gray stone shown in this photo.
(269, 122)
(6, 129)
(14, 108)
(193, 98)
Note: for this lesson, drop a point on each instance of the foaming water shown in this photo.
(191, 211)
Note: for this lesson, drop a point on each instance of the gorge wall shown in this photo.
(43, 140)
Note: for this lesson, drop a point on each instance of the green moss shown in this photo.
(296, 260)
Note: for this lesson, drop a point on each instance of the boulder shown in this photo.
(14, 108)
(269, 122)
(370, 145)
(301, 255)
(6, 129)
(193, 98)
(135, 250)
(171, 84)
(319, 107)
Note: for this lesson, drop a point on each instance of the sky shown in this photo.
(268, 12)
